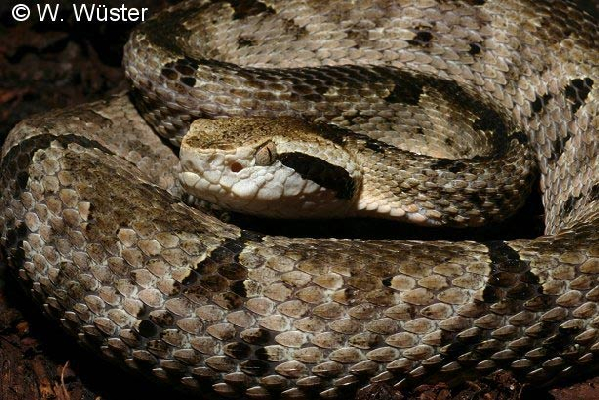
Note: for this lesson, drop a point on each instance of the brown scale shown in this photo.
(321, 317)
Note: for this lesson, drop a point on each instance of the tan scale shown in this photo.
(71, 180)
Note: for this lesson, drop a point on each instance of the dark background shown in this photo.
(47, 65)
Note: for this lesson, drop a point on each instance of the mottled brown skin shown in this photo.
(463, 192)
(91, 221)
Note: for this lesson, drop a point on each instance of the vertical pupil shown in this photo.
(265, 154)
(269, 154)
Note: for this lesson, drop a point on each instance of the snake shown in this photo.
(95, 223)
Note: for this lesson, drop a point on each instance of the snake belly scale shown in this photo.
(93, 224)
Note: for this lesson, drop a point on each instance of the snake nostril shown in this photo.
(236, 167)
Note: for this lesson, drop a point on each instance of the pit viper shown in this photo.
(93, 223)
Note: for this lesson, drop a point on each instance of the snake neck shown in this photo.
(442, 192)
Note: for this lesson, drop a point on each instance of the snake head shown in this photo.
(280, 168)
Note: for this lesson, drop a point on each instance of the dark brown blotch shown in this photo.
(594, 193)
(185, 69)
(233, 271)
(214, 283)
(520, 137)
(492, 294)
(577, 92)
(454, 166)
(530, 277)
(379, 391)
(147, 328)
(192, 277)
(332, 132)
(521, 291)
(162, 318)
(230, 300)
(490, 121)
(559, 145)
(557, 342)
(239, 289)
(502, 279)
(189, 81)
(405, 92)
(237, 350)
(504, 258)
(422, 38)
(257, 336)
(248, 8)
(540, 303)
(204, 267)
(474, 49)
(244, 42)
(539, 102)
(250, 236)
(169, 74)
(569, 205)
(375, 145)
(262, 354)
(457, 346)
(222, 253)
(254, 367)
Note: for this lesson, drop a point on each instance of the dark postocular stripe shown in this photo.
(322, 172)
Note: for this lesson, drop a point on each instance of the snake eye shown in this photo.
(266, 154)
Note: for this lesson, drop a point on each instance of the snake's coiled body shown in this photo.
(91, 217)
